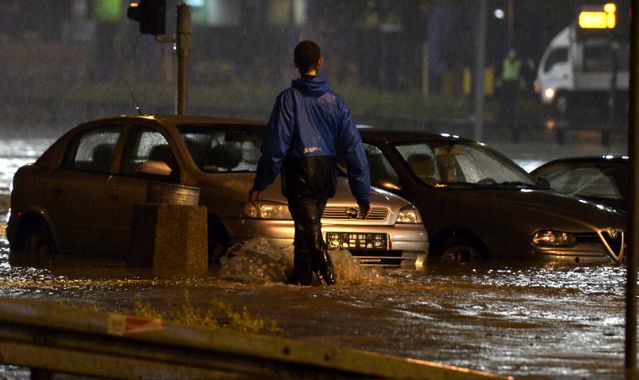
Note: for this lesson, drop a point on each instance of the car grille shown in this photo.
(613, 240)
(346, 213)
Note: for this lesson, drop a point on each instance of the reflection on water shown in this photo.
(540, 321)
(18, 152)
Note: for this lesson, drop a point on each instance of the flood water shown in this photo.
(527, 321)
(541, 321)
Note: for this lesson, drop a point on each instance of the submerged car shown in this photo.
(79, 196)
(477, 204)
(602, 180)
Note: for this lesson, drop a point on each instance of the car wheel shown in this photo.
(218, 239)
(34, 241)
(458, 250)
(216, 252)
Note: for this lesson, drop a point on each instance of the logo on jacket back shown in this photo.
(312, 149)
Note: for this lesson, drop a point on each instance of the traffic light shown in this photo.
(150, 14)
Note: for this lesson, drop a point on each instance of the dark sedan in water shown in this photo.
(600, 179)
(478, 204)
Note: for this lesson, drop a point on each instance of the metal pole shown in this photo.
(510, 24)
(480, 64)
(633, 221)
(612, 91)
(183, 36)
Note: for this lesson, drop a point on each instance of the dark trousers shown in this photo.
(311, 254)
(508, 110)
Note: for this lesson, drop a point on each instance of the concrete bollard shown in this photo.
(172, 239)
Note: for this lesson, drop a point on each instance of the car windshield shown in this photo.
(596, 180)
(223, 148)
(462, 163)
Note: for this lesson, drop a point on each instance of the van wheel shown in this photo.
(458, 249)
(561, 105)
(34, 241)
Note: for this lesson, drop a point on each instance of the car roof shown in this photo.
(184, 120)
(588, 160)
(393, 137)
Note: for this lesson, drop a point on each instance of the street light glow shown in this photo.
(499, 13)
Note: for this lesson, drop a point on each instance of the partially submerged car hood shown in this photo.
(546, 205)
(233, 188)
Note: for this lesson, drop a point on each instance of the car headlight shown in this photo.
(267, 210)
(549, 238)
(409, 214)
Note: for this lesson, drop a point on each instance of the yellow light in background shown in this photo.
(593, 20)
(610, 10)
(550, 124)
(599, 20)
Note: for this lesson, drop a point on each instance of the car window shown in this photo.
(93, 150)
(381, 169)
(145, 144)
(422, 162)
(220, 148)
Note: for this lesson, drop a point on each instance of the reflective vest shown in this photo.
(511, 69)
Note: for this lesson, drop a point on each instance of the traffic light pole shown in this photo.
(182, 40)
(183, 35)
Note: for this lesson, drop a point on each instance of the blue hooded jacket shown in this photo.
(309, 129)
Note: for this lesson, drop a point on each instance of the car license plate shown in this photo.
(355, 240)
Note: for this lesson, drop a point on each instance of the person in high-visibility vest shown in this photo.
(510, 82)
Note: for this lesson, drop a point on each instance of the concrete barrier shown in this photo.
(51, 339)
(170, 238)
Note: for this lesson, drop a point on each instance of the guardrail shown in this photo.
(49, 339)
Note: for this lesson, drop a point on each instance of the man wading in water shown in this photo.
(309, 128)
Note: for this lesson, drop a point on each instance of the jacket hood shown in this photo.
(316, 86)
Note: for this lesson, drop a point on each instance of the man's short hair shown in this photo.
(306, 56)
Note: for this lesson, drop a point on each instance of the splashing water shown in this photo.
(260, 261)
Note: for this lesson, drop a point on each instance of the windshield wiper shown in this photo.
(516, 184)
(460, 184)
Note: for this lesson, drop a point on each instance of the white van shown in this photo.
(580, 69)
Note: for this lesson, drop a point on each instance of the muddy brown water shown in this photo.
(536, 321)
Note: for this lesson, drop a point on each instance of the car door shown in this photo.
(77, 194)
(413, 177)
(130, 188)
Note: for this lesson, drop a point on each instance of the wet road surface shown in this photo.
(537, 322)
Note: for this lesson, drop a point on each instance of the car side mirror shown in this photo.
(155, 168)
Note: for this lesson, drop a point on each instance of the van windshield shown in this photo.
(557, 55)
